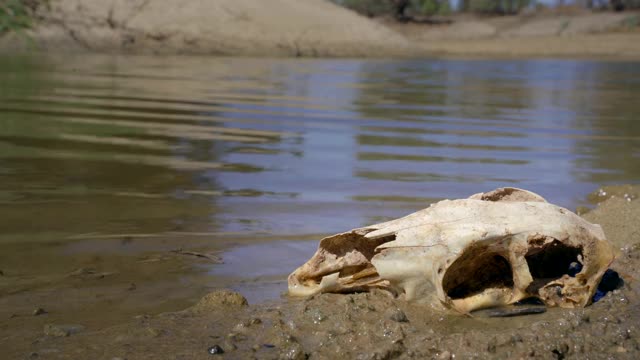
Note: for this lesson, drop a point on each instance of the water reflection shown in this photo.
(308, 137)
(486, 123)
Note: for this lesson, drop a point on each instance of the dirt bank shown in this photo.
(581, 34)
(231, 27)
(315, 28)
(372, 325)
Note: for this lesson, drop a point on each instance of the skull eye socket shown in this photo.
(549, 262)
(475, 271)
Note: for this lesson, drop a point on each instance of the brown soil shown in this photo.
(371, 325)
(220, 27)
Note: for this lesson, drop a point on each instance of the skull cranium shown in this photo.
(492, 249)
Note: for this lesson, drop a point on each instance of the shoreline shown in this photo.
(548, 48)
(369, 325)
(590, 47)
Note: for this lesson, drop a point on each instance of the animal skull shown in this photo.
(492, 249)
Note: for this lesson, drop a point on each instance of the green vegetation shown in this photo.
(16, 15)
(402, 8)
(433, 7)
(494, 6)
(631, 22)
(368, 7)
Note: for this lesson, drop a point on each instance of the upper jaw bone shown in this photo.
(492, 249)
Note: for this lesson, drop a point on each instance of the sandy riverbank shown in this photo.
(314, 28)
(582, 34)
(221, 27)
(372, 325)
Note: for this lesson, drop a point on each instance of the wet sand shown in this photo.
(363, 326)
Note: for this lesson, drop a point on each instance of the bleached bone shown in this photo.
(492, 249)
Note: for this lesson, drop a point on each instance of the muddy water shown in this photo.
(116, 171)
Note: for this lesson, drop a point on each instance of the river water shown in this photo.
(107, 164)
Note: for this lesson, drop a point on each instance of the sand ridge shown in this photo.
(314, 28)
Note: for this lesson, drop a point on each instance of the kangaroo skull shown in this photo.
(492, 249)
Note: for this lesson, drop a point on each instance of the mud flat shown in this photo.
(374, 325)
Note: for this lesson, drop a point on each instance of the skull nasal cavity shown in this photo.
(551, 260)
(475, 271)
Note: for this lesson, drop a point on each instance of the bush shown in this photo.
(15, 15)
(368, 7)
(432, 7)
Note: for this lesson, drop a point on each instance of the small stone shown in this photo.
(445, 355)
(215, 350)
(155, 332)
(217, 300)
(62, 330)
(83, 272)
(132, 287)
(1, 273)
(317, 316)
(118, 358)
(491, 345)
(229, 345)
(39, 311)
(241, 327)
(236, 336)
(396, 315)
(293, 352)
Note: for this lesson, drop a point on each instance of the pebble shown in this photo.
(216, 300)
(491, 345)
(215, 350)
(293, 352)
(229, 345)
(620, 349)
(445, 355)
(62, 330)
(39, 311)
(1, 273)
(396, 315)
(236, 336)
(317, 316)
(155, 332)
